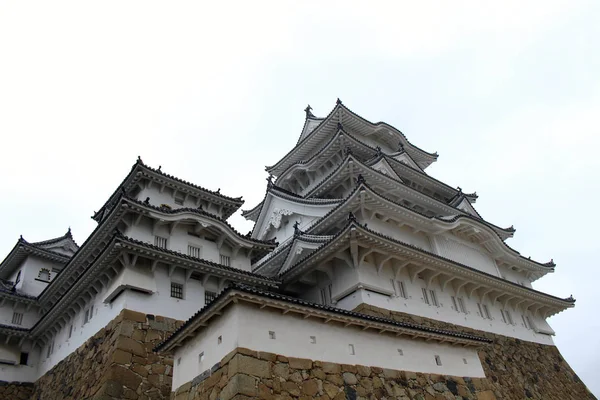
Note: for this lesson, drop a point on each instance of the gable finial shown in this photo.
(147, 201)
(219, 190)
(139, 160)
(348, 150)
(351, 217)
(159, 168)
(459, 189)
(297, 230)
(308, 112)
(360, 179)
(338, 101)
(270, 180)
(339, 126)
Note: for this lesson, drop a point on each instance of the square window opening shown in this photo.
(400, 352)
(313, 339)
(271, 335)
(209, 296)
(351, 349)
(176, 290)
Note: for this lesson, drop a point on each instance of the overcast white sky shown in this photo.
(508, 93)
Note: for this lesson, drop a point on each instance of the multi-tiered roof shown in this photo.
(347, 177)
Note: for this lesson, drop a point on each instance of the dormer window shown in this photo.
(44, 275)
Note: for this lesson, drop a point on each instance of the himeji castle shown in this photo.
(363, 278)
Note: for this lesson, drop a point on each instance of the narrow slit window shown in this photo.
(351, 349)
(434, 299)
(486, 311)
(438, 360)
(24, 358)
(503, 316)
(508, 317)
(402, 290)
(176, 290)
(220, 340)
(465, 360)
(201, 357)
(313, 339)
(70, 331)
(179, 361)
(17, 318)
(425, 296)
(461, 305)
(272, 335)
(454, 304)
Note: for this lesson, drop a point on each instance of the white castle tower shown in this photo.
(363, 276)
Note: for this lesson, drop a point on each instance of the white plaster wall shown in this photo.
(180, 239)
(8, 308)
(167, 197)
(416, 306)
(31, 267)
(514, 276)
(63, 345)
(19, 373)
(403, 234)
(161, 302)
(186, 361)
(251, 325)
(465, 253)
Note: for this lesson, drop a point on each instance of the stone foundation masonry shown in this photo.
(247, 374)
(116, 363)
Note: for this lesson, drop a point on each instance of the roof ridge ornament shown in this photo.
(297, 230)
(270, 181)
(351, 217)
(360, 179)
(340, 126)
(338, 101)
(308, 112)
(348, 150)
(378, 151)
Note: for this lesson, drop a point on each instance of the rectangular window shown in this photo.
(351, 349)
(48, 351)
(89, 313)
(425, 296)
(160, 242)
(529, 323)
(313, 339)
(326, 295)
(434, 299)
(438, 360)
(201, 357)
(503, 316)
(24, 358)
(176, 290)
(70, 331)
(17, 318)
(193, 251)
(179, 201)
(524, 321)
(209, 296)
(483, 311)
(225, 260)
(454, 304)
(509, 319)
(401, 290)
(272, 335)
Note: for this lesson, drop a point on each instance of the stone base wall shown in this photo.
(516, 369)
(247, 374)
(116, 363)
(15, 390)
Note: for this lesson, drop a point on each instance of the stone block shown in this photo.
(131, 346)
(121, 357)
(331, 368)
(249, 365)
(299, 363)
(130, 315)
